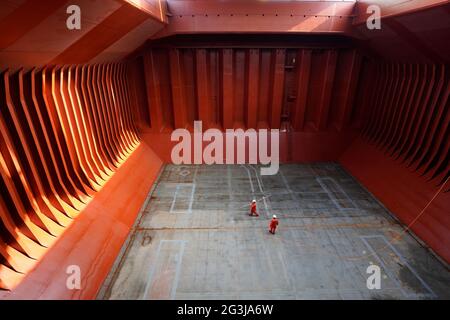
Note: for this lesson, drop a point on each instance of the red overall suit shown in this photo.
(273, 225)
(253, 209)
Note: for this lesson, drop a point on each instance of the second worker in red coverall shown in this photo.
(273, 224)
(253, 209)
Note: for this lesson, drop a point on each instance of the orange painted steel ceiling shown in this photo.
(36, 33)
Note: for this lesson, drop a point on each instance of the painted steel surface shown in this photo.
(64, 131)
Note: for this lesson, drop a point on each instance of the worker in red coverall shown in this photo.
(253, 209)
(273, 224)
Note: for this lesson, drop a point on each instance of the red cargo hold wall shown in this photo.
(250, 88)
(402, 156)
(307, 92)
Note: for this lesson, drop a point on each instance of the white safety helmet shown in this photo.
(254, 201)
(274, 216)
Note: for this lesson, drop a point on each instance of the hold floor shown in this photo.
(195, 240)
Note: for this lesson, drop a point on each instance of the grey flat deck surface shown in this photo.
(195, 240)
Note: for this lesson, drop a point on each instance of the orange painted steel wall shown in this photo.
(302, 90)
(402, 156)
(64, 131)
(308, 93)
(408, 117)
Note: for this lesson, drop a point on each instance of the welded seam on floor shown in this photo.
(191, 197)
(174, 198)
(249, 179)
(321, 180)
(261, 189)
(177, 269)
(286, 184)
